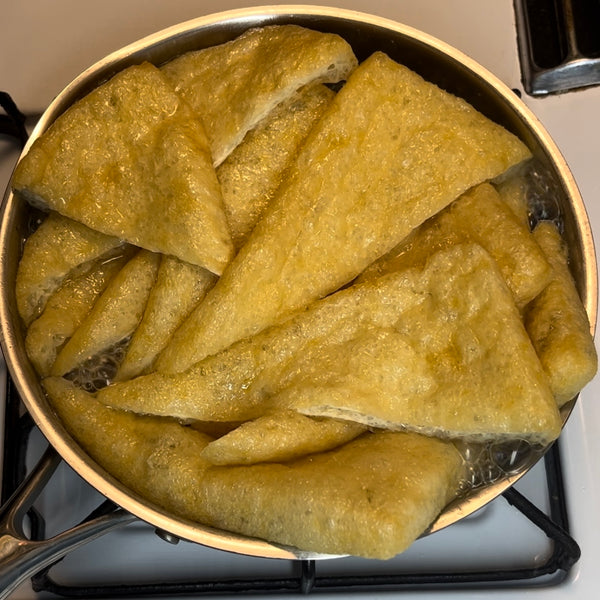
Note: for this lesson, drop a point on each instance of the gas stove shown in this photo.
(540, 537)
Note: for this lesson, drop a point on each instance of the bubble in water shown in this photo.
(98, 371)
(511, 457)
(488, 463)
(543, 195)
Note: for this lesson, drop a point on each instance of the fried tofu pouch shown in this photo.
(279, 436)
(482, 216)
(372, 497)
(178, 288)
(390, 151)
(232, 86)
(131, 160)
(558, 323)
(326, 503)
(52, 252)
(456, 378)
(157, 458)
(65, 311)
(114, 316)
(431, 349)
(251, 174)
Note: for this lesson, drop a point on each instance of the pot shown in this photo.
(431, 58)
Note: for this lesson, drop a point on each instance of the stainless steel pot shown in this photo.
(435, 61)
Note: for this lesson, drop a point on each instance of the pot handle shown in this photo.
(20, 557)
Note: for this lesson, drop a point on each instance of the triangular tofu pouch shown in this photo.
(65, 311)
(234, 85)
(459, 364)
(131, 160)
(179, 286)
(372, 497)
(252, 173)
(53, 252)
(441, 350)
(114, 316)
(390, 151)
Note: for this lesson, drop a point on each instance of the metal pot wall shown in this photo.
(436, 62)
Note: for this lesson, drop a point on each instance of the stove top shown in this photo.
(50, 43)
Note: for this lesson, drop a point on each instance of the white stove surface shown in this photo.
(44, 45)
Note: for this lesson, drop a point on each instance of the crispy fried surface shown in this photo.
(479, 215)
(279, 436)
(129, 151)
(51, 253)
(391, 150)
(371, 497)
(232, 86)
(251, 174)
(431, 350)
(558, 324)
(329, 502)
(65, 311)
(114, 316)
(157, 458)
(178, 288)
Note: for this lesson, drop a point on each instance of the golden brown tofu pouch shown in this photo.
(251, 174)
(278, 437)
(480, 215)
(114, 316)
(453, 368)
(50, 254)
(430, 349)
(65, 311)
(131, 160)
(177, 290)
(371, 497)
(232, 86)
(558, 323)
(390, 151)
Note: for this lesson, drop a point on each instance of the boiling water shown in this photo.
(491, 462)
(99, 371)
